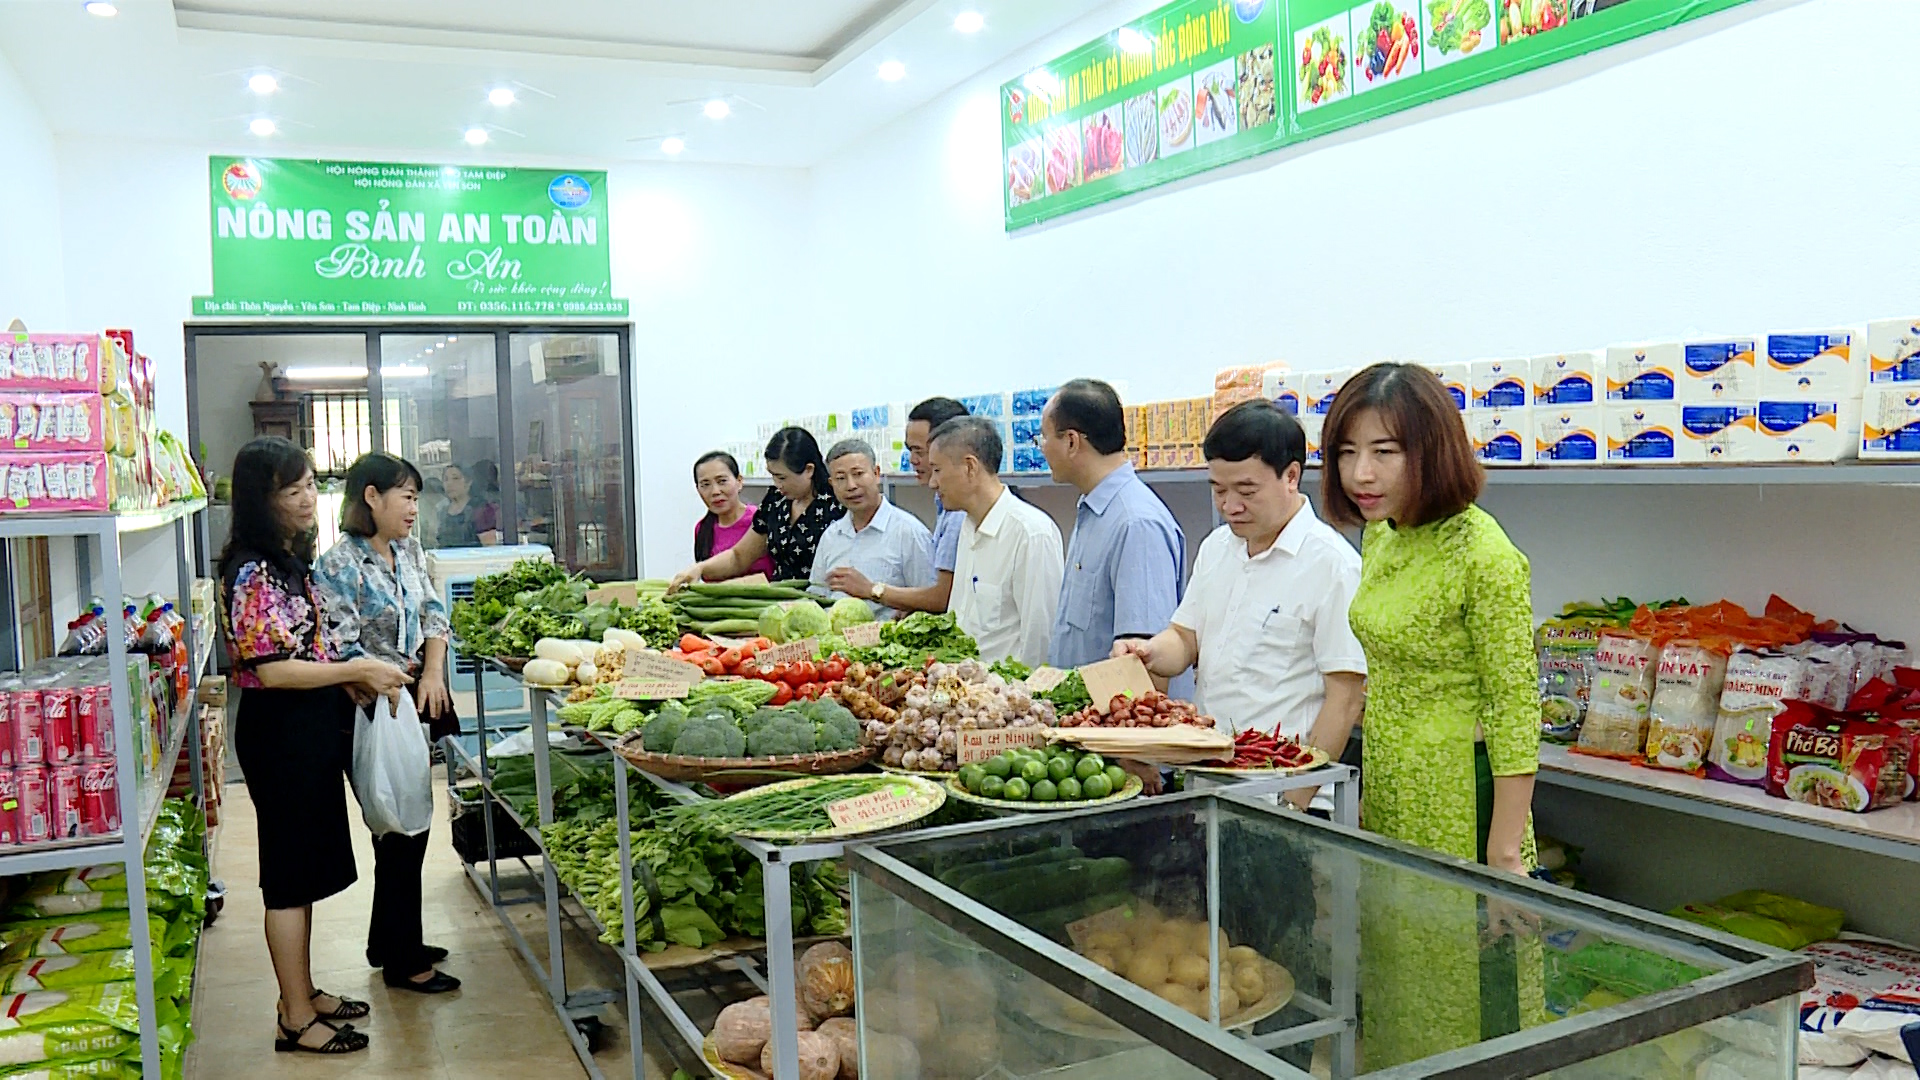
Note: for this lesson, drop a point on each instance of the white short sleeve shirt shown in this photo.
(893, 550)
(1006, 581)
(1272, 625)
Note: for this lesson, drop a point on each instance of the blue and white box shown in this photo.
(1567, 436)
(1642, 433)
(991, 406)
(1643, 372)
(1820, 365)
(1808, 430)
(1893, 351)
(1721, 433)
(1714, 370)
(1500, 384)
(1564, 379)
(880, 416)
(1030, 403)
(1891, 422)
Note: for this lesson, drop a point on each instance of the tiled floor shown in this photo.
(498, 1024)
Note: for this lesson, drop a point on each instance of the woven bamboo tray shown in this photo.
(752, 769)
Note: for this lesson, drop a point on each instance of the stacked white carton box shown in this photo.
(1810, 395)
(1890, 408)
(1567, 391)
(1499, 414)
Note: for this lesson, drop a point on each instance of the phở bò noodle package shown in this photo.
(1830, 759)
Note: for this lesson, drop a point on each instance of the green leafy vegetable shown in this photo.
(1070, 696)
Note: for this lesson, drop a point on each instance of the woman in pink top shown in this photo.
(717, 476)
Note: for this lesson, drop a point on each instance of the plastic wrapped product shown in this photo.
(1850, 976)
(72, 892)
(1567, 654)
(1685, 706)
(81, 934)
(57, 972)
(1617, 711)
(1828, 759)
(35, 1019)
(1756, 689)
(1783, 922)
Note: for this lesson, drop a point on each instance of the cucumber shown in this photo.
(959, 876)
(1017, 892)
(730, 627)
(746, 592)
(1053, 921)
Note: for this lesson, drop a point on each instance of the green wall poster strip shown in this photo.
(311, 239)
(1202, 83)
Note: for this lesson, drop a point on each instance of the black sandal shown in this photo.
(345, 1040)
(349, 1009)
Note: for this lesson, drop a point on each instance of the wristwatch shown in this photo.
(879, 591)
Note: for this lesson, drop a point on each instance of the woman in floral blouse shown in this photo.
(293, 734)
(379, 602)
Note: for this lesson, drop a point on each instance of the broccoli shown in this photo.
(788, 735)
(702, 737)
(761, 717)
(837, 731)
(661, 731)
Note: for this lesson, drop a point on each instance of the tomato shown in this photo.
(731, 660)
(781, 671)
(711, 665)
(803, 671)
(781, 695)
(834, 670)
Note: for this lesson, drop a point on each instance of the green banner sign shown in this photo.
(1201, 83)
(312, 239)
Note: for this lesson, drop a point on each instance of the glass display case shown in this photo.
(1215, 934)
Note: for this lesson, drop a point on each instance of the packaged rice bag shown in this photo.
(63, 1042)
(72, 892)
(82, 934)
(1847, 975)
(1617, 710)
(1783, 922)
(1685, 705)
(57, 972)
(1567, 649)
(105, 1068)
(1756, 690)
(1830, 759)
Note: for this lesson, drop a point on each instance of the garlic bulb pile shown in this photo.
(956, 698)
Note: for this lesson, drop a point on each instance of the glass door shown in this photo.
(571, 448)
(439, 409)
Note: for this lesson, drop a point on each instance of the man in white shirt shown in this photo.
(875, 544)
(1264, 620)
(1006, 581)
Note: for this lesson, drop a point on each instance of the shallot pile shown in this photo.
(955, 698)
(1151, 709)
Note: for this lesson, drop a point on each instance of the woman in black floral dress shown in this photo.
(293, 732)
(788, 524)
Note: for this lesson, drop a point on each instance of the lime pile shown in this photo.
(1052, 774)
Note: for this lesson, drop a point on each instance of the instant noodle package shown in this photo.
(1830, 759)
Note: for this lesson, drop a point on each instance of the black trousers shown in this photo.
(394, 935)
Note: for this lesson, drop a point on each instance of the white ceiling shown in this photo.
(596, 79)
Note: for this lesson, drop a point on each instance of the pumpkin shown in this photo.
(819, 1057)
(745, 1026)
(825, 977)
(846, 1039)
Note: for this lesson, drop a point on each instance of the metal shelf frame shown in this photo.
(98, 537)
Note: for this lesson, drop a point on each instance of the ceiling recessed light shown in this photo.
(718, 109)
(1133, 41)
(893, 71)
(672, 144)
(263, 83)
(501, 96)
(969, 22)
(261, 126)
(101, 8)
(476, 136)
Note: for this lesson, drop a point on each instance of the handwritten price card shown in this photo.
(977, 745)
(875, 808)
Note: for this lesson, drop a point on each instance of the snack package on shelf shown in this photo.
(1784, 922)
(77, 362)
(1757, 687)
(1836, 760)
(1617, 712)
(1685, 704)
(1567, 650)
(1231, 386)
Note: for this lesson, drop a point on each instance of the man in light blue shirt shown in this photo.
(934, 597)
(1127, 556)
(877, 545)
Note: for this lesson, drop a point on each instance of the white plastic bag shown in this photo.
(393, 769)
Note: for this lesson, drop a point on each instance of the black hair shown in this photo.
(382, 472)
(795, 449)
(703, 533)
(1091, 408)
(260, 470)
(976, 435)
(936, 411)
(485, 476)
(1257, 429)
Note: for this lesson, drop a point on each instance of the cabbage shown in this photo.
(773, 623)
(848, 611)
(806, 619)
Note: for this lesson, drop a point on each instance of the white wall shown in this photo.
(31, 249)
(1700, 181)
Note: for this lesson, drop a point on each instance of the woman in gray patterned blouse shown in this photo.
(379, 602)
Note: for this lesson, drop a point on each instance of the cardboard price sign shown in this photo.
(874, 807)
(862, 635)
(652, 666)
(1120, 675)
(977, 745)
(804, 649)
(625, 594)
(1045, 678)
(650, 689)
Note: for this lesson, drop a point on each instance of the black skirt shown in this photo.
(295, 747)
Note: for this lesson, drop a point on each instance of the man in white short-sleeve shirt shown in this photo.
(1264, 619)
(1006, 581)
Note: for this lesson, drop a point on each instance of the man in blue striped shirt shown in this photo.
(1127, 557)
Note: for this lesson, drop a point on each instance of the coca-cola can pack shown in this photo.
(59, 725)
(29, 744)
(63, 800)
(99, 798)
(7, 755)
(93, 709)
(9, 809)
(32, 821)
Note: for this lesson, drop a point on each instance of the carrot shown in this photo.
(691, 644)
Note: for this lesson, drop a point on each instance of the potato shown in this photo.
(1184, 997)
(963, 1049)
(1080, 1012)
(1148, 969)
(1229, 1002)
(1105, 959)
(965, 995)
(1250, 981)
(1242, 954)
(915, 1018)
(1202, 939)
(887, 1056)
(1189, 970)
(1113, 941)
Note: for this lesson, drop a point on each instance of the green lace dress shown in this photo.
(1445, 613)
